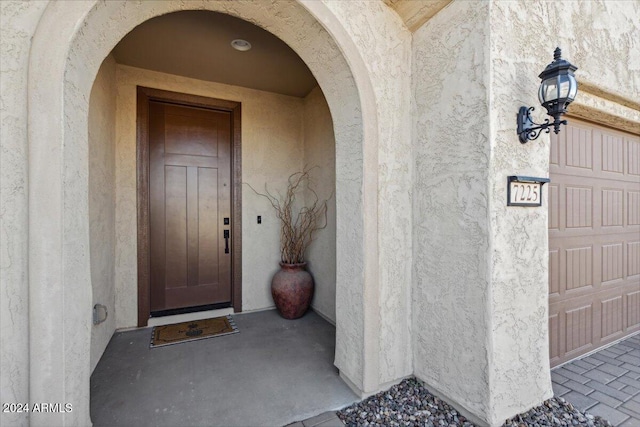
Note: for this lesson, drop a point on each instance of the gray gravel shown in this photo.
(410, 404)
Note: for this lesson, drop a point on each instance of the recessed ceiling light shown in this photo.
(241, 45)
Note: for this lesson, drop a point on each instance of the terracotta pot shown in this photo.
(292, 290)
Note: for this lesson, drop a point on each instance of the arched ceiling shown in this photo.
(196, 44)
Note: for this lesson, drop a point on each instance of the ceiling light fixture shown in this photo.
(241, 45)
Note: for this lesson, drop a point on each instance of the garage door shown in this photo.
(594, 239)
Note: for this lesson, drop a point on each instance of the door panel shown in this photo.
(593, 283)
(189, 195)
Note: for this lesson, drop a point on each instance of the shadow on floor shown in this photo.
(273, 372)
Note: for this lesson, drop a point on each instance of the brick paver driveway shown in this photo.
(606, 383)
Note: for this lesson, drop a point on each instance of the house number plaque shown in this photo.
(525, 190)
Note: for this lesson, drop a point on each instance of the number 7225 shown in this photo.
(522, 192)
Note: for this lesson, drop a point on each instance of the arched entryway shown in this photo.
(71, 42)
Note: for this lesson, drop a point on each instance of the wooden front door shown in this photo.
(189, 193)
(189, 221)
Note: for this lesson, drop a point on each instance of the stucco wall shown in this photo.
(602, 38)
(70, 42)
(472, 279)
(384, 44)
(18, 20)
(319, 154)
(451, 290)
(480, 291)
(272, 149)
(102, 206)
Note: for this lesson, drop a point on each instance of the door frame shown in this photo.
(144, 96)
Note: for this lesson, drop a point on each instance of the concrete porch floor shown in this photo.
(273, 372)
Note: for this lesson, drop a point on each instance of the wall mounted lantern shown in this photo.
(557, 90)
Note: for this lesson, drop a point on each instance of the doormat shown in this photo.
(192, 331)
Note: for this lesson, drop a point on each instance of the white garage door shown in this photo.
(594, 238)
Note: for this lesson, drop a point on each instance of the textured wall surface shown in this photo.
(451, 244)
(70, 43)
(458, 277)
(385, 45)
(102, 204)
(481, 267)
(603, 39)
(356, 142)
(272, 149)
(320, 154)
(18, 20)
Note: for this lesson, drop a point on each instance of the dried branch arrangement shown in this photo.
(296, 230)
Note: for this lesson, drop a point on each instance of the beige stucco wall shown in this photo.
(384, 44)
(319, 154)
(102, 205)
(18, 21)
(480, 288)
(451, 244)
(70, 43)
(602, 38)
(428, 257)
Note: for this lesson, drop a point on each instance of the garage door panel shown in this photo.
(612, 263)
(579, 328)
(612, 207)
(633, 207)
(598, 209)
(578, 207)
(611, 317)
(612, 153)
(554, 151)
(553, 201)
(594, 239)
(579, 148)
(576, 270)
(626, 182)
(633, 260)
(580, 324)
(554, 272)
(557, 333)
(574, 235)
(554, 337)
(599, 295)
(632, 307)
(579, 267)
(633, 156)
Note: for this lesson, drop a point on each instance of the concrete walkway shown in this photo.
(276, 371)
(272, 373)
(606, 383)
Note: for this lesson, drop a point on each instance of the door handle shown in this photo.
(226, 241)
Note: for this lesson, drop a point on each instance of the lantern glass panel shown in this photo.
(564, 85)
(573, 91)
(548, 90)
